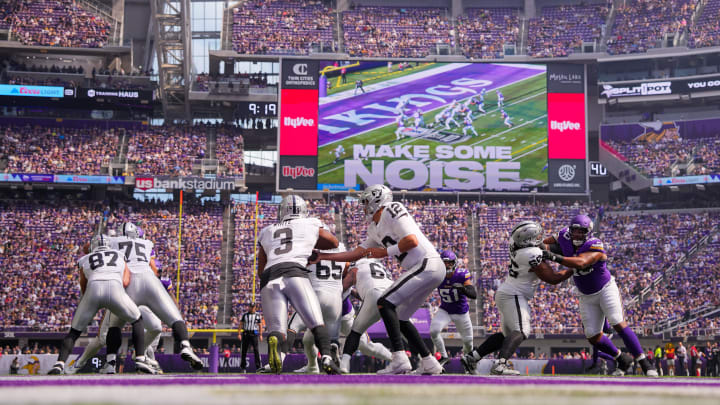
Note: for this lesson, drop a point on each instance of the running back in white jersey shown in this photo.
(371, 274)
(290, 241)
(396, 223)
(327, 274)
(103, 265)
(520, 280)
(137, 252)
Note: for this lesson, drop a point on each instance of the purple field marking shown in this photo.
(243, 379)
(500, 75)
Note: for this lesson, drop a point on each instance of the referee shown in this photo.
(251, 325)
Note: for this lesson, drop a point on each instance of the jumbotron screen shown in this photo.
(424, 126)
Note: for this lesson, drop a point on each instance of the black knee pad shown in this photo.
(113, 340)
(74, 333)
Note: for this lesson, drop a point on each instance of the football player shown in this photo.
(370, 279)
(469, 125)
(506, 119)
(146, 289)
(326, 280)
(599, 294)
(524, 272)
(103, 278)
(392, 232)
(500, 99)
(367, 346)
(339, 151)
(400, 121)
(419, 119)
(454, 292)
(282, 265)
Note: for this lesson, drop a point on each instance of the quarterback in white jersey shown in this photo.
(371, 280)
(392, 231)
(525, 271)
(103, 276)
(282, 263)
(146, 289)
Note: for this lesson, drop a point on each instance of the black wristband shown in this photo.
(557, 258)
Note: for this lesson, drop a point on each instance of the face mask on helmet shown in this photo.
(374, 198)
(581, 228)
(450, 261)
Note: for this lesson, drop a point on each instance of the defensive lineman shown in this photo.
(103, 276)
(146, 289)
(454, 291)
(599, 294)
(524, 272)
(371, 280)
(282, 264)
(393, 232)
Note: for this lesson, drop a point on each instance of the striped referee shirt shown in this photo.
(251, 322)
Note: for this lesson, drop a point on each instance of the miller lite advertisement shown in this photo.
(426, 126)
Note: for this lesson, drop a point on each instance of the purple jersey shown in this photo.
(593, 279)
(452, 301)
(346, 306)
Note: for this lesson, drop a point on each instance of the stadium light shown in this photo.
(700, 187)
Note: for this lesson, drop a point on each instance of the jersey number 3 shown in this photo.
(285, 235)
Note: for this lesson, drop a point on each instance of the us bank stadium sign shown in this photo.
(185, 183)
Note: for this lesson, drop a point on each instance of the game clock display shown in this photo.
(258, 109)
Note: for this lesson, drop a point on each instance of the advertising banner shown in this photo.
(662, 87)
(184, 183)
(566, 78)
(100, 95)
(14, 90)
(72, 178)
(299, 74)
(299, 122)
(298, 172)
(567, 175)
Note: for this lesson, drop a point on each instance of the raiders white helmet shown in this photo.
(375, 197)
(99, 242)
(129, 229)
(527, 234)
(292, 207)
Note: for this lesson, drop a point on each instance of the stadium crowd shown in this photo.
(562, 30)
(395, 32)
(281, 26)
(483, 32)
(56, 23)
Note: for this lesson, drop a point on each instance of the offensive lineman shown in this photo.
(146, 289)
(326, 280)
(392, 231)
(103, 278)
(526, 269)
(370, 279)
(283, 256)
(454, 292)
(598, 292)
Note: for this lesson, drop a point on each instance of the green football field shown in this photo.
(525, 102)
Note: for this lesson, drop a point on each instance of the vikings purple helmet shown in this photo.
(449, 258)
(581, 227)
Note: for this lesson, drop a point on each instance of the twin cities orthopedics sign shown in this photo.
(567, 134)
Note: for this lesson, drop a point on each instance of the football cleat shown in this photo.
(400, 364)
(142, 365)
(273, 355)
(329, 366)
(57, 368)
(264, 369)
(443, 361)
(154, 364)
(469, 363)
(502, 368)
(431, 366)
(647, 368)
(622, 365)
(188, 355)
(308, 369)
(595, 369)
(108, 368)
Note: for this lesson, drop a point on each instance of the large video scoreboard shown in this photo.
(432, 126)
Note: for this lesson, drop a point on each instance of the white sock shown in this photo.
(110, 357)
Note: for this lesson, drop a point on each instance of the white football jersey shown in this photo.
(396, 223)
(326, 274)
(290, 241)
(137, 251)
(520, 280)
(103, 265)
(371, 274)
